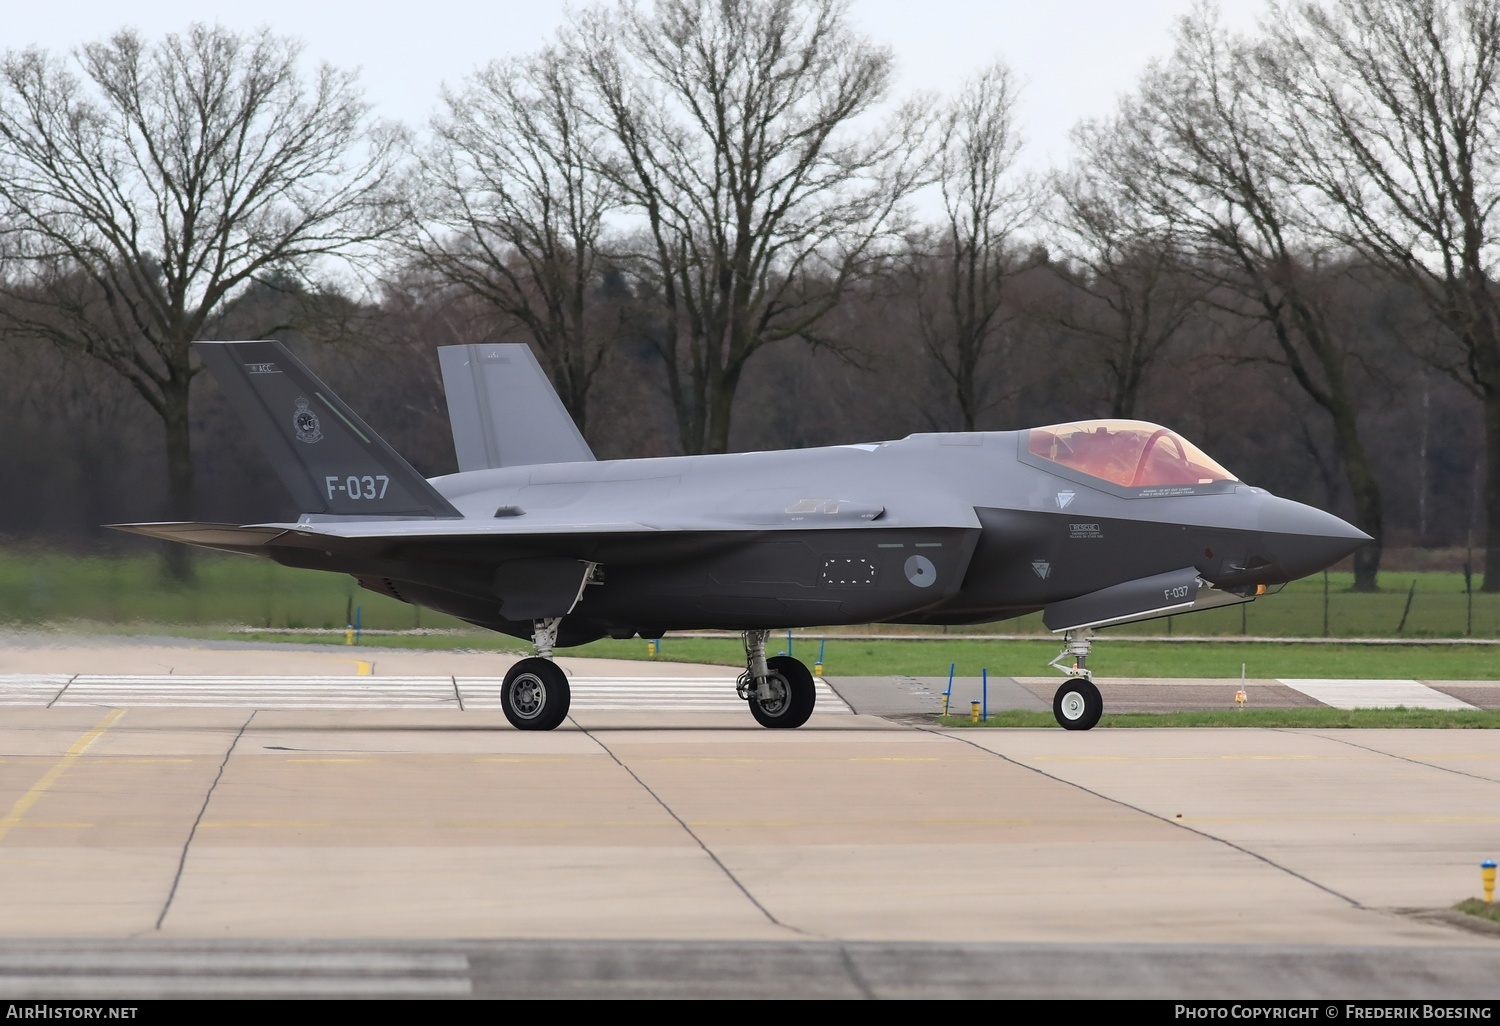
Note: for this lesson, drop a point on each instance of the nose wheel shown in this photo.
(1077, 705)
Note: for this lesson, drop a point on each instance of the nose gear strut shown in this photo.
(1076, 643)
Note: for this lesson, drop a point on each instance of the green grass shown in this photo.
(1476, 907)
(38, 587)
(930, 658)
(1480, 719)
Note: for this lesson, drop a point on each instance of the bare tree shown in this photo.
(150, 187)
(1126, 264)
(517, 208)
(1390, 111)
(959, 267)
(732, 134)
(1198, 143)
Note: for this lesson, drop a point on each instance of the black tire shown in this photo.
(794, 703)
(1077, 704)
(535, 695)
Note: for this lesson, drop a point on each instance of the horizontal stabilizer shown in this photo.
(326, 456)
(1181, 591)
(225, 537)
(503, 411)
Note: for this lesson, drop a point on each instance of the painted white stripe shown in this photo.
(1375, 694)
(370, 692)
(31, 689)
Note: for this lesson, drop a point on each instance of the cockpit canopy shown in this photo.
(1129, 453)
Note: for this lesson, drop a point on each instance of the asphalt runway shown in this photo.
(222, 836)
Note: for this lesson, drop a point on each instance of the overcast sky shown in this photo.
(1073, 58)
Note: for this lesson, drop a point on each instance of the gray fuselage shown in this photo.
(930, 529)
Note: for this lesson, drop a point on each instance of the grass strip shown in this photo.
(1483, 909)
(41, 586)
(1400, 717)
(931, 658)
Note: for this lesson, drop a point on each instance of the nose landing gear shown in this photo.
(1077, 705)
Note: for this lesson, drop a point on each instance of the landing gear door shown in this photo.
(1143, 599)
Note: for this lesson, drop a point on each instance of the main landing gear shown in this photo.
(535, 695)
(779, 689)
(1077, 704)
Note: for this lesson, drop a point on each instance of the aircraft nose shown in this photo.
(1305, 539)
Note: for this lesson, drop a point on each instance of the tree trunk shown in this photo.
(1491, 491)
(1364, 490)
(720, 403)
(177, 564)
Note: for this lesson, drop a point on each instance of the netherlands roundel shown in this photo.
(920, 571)
(305, 422)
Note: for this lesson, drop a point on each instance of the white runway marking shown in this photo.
(31, 688)
(1375, 694)
(702, 694)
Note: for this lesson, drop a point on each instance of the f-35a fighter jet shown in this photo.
(1094, 523)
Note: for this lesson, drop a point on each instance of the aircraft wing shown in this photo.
(538, 524)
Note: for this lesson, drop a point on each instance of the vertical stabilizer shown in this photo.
(327, 457)
(503, 411)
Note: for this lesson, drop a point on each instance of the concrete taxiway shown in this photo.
(213, 829)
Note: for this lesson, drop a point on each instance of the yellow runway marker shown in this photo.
(135, 761)
(709, 758)
(330, 760)
(1204, 758)
(773, 760)
(26, 801)
(418, 824)
(1450, 755)
(499, 758)
(897, 758)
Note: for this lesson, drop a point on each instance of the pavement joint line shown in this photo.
(61, 690)
(193, 832)
(24, 803)
(1353, 902)
(691, 833)
(1404, 758)
(855, 976)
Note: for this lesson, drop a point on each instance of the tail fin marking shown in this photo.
(329, 459)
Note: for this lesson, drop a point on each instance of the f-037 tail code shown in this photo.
(357, 487)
